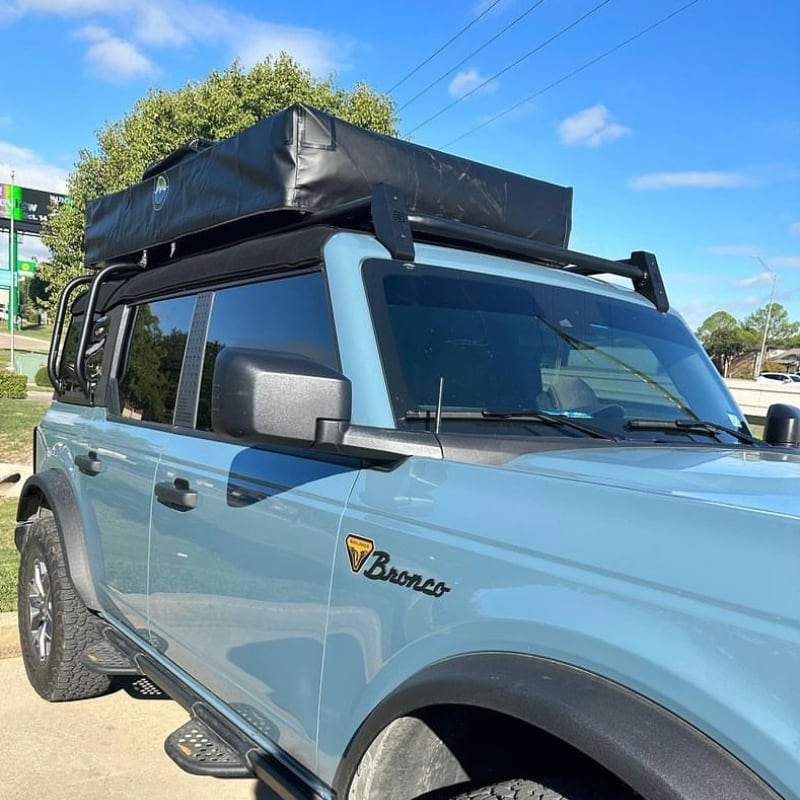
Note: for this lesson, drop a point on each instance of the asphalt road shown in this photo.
(108, 748)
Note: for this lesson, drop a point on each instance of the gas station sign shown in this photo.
(29, 207)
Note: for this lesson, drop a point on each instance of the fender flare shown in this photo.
(51, 489)
(616, 727)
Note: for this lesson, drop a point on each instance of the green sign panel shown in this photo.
(11, 201)
(29, 208)
(26, 266)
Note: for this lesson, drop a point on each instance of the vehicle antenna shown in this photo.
(439, 405)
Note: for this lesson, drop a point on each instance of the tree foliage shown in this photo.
(216, 108)
(724, 338)
(781, 329)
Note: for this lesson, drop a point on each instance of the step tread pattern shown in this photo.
(201, 751)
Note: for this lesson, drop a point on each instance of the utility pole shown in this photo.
(12, 266)
(774, 278)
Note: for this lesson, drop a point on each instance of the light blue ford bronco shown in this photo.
(351, 456)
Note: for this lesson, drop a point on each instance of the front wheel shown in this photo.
(55, 626)
(567, 789)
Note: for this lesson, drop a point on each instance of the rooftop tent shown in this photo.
(303, 161)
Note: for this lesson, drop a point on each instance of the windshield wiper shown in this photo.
(690, 426)
(557, 420)
(548, 418)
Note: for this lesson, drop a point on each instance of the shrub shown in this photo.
(13, 386)
(42, 378)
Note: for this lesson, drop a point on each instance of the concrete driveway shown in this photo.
(108, 748)
(22, 342)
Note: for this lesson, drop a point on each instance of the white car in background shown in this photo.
(778, 377)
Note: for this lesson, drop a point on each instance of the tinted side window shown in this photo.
(286, 314)
(149, 385)
(67, 359)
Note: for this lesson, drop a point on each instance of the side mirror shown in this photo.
(782, 427)
(261, 396)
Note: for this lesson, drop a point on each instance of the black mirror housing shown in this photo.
(261, 396)
(782, 428)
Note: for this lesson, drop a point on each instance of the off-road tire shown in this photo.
(55, 627)
(521, 789)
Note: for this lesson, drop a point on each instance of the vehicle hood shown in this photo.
(742, 478)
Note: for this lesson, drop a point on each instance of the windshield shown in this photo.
(496, 347)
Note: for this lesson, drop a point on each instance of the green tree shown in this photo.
(145, 384)
(781, 329)
(724, 338)
(216, 108)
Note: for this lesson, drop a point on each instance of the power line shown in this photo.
(472, 54)
(511, 66)
(572, 74)
(443, 47)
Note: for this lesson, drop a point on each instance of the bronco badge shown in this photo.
(359, 549)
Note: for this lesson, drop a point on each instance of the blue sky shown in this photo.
(685, 141)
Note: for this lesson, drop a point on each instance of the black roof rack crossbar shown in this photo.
(393, 226)
(641, 268)
(385, 214)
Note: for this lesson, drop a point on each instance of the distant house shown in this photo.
(790, 359)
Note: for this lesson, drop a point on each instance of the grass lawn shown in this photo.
(17, 420)
(9, 557)
(43, 332)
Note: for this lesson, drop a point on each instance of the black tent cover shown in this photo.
(302, 160)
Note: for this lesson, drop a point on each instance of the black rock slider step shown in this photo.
(107, 659)
(195, 747)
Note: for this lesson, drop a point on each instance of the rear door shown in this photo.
(119, 452)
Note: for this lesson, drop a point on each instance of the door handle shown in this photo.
(176, 494)
(89, 464)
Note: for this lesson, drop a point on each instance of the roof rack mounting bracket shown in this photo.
(390, 221)
(651, 284)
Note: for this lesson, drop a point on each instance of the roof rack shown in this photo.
(394, 228)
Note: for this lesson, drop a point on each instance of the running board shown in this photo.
(209, 745)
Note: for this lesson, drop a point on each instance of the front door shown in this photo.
(243, 539)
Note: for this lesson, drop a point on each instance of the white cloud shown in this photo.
(756, 280)
(693, 180)
(250, 38)
(794, 227)
(314, 50)
(62, 7)
(30, 170)
(154, 26)
(785, 261)
(113, 59)
(591, 127)
(31, 247)
(180, 23)
(467, 81)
